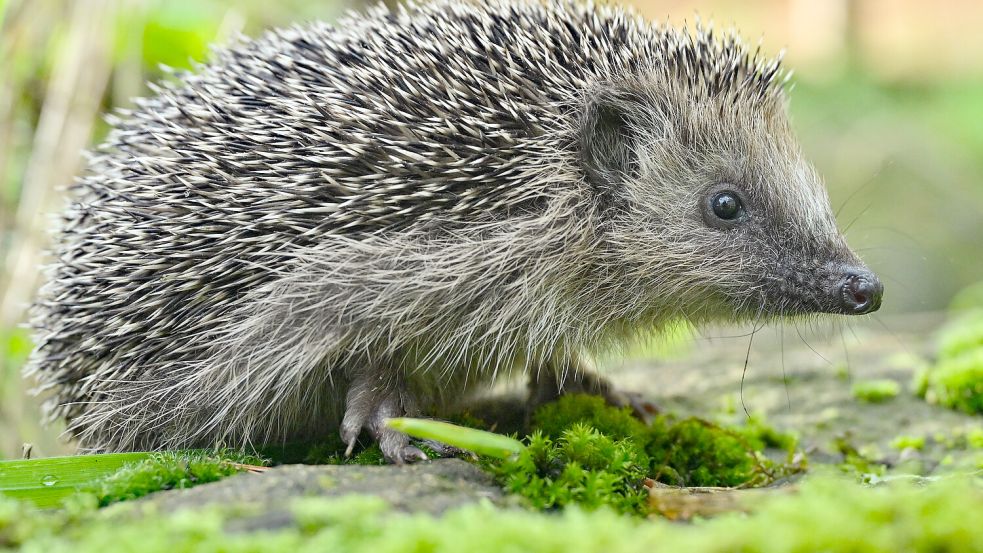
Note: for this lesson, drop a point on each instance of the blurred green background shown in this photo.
(888, 102)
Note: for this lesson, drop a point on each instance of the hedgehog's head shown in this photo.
(710, 207)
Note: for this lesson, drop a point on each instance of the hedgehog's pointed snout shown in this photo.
(859, 290)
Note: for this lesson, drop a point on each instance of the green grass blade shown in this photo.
(45, 482)
(478, 441)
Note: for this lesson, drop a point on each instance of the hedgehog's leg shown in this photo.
(368, 404)
(557, 379)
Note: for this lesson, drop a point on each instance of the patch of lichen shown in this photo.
(962, 335)
(862, 463)
(585, 452)
(875, 391)
(956, 379)
(761, 435)
(167, 471)
(826, 514)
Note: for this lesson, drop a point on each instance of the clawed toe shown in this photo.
(350, 429)
(410, 454)
(368, 408)
(396, 447)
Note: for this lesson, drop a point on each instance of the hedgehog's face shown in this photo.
(714, 212)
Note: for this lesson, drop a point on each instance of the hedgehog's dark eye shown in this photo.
(726, 205)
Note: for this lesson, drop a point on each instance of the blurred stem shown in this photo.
(128, 74)
(71, 105)
(8, 40)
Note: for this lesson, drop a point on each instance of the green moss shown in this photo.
(962, 449)
(826, 515)
(329, 452)
(956, 380)
(552, 419)
(956, 383)
(760, 435)
(694, 452)
(974, 438)
(962, 335)
(862, 463)
(332, 453)
(587, 453)
(582, 466)
(875, 391)
(908, 442)
(166, 471)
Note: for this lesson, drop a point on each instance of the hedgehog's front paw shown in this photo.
(368, 408)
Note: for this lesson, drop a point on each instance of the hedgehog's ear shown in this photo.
(608, 140)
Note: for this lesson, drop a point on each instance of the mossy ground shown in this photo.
(956, 379)
(827, 514)
(584, 470)
(876, 391)
(580, 452)
(168, 471)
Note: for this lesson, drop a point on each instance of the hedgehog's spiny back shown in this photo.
(444, 115)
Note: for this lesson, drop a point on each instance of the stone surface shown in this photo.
(431, 487)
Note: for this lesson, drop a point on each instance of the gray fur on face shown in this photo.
(371, 219)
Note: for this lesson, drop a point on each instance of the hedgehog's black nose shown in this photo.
(860, 291)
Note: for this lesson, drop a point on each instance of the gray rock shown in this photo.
(265, 498)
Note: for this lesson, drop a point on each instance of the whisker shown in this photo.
(781, 342)
(808, 345)
(857, 218)
(868, 182)
(747, 358)
(846, 352)
(892, 333)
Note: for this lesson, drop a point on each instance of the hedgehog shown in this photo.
(329, 226)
